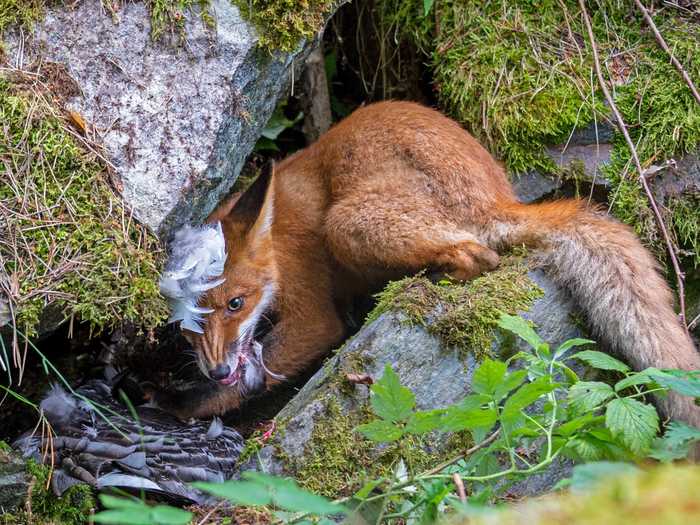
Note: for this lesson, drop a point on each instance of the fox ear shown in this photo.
(255, 207)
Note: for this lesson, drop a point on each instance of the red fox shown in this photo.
(393, 189)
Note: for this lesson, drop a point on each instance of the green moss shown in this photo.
(20, 12)
(70, 242)
(686, 223)
(337, 460)
(283, 23)
(463, 315)
(73, 508)
(665, 495)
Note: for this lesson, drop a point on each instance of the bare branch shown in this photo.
(635, 157)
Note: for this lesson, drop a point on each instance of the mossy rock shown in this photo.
(663, 495)
(433, 335)
(26, 499)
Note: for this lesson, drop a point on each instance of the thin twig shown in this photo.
(623, 129)
(660, 39)
(460, 487)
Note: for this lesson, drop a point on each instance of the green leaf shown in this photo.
(679, 433)
(586, 395)
(511, 382)
(166, 515)
(590, 474)
(427, 6)
(381, 431)
(566, 345)
(113, 502)
(367, 488)
(132, 516)
(241, 492)
(390, 400)
(676, 442)
(521, 328)
(571, 426)
(425, 421)
(600, 360)
(296, 499)
(488, 376)
(640, 378)
(633, 422)
(526, 395)
(458, 418)
(685, 383)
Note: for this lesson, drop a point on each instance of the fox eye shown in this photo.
(235, 304)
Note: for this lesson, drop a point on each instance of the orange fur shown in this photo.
(396, 188)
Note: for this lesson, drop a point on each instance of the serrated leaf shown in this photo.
(601, 361)
(586, 395)
(390, 400)
(521, 328)
(685, 383)
(381, 431)
(424, 421)
(488, 376)
(633, 422)
(458, 418)
(525, 396)
(678, 433)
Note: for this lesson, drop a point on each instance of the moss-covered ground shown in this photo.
(463, 315)
(67, 241)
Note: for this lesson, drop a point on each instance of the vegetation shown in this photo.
(282, 24)
(73, 508)
(463, 315)
(524, 413)
(69, 241)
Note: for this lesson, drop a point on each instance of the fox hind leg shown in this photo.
(402, 234)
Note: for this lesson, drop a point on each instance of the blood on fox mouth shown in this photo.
(243, 359)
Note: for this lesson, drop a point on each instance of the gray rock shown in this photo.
(177, 119)
(437, 375)
(14, 482)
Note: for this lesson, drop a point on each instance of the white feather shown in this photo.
(195, 265)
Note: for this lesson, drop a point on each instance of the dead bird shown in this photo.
(108, 444)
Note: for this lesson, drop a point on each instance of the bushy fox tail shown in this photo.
(616, 283)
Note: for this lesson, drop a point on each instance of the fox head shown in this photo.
(222, 321)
